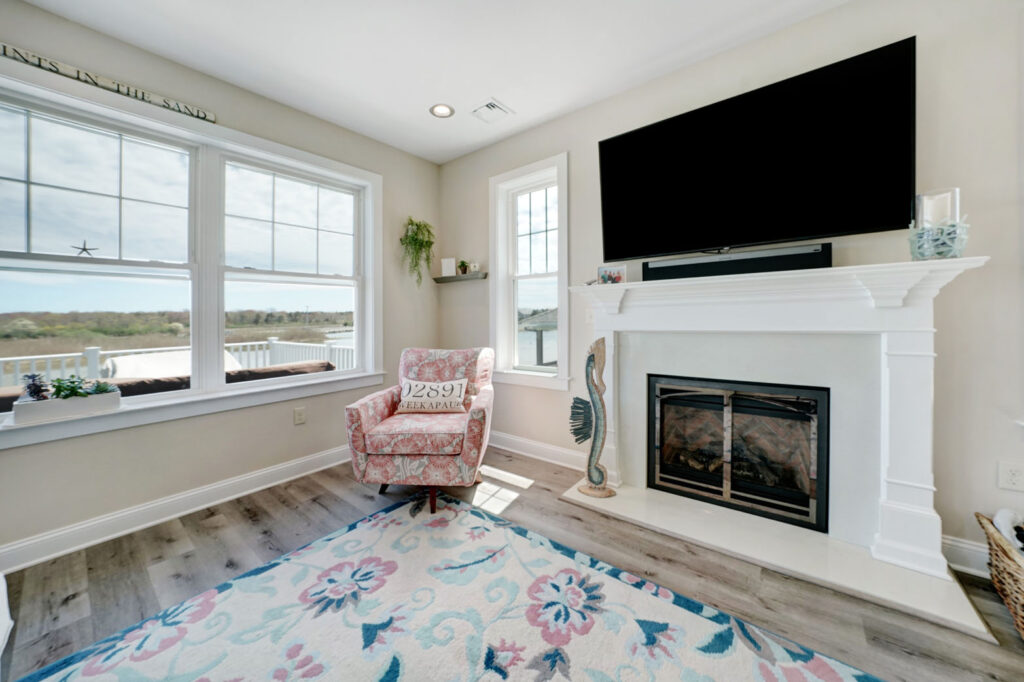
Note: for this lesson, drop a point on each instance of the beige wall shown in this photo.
(41, 487)
(968, 135)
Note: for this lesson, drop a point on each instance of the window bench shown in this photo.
(132, 387)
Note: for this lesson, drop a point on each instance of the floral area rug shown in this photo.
(457, 595)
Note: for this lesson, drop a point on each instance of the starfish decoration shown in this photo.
(84, 250)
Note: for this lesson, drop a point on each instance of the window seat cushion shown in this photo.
(130, 386)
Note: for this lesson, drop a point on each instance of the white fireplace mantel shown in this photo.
(891, 302)
(883, 286)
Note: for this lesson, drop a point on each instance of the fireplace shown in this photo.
(867, 332)
(759, 448)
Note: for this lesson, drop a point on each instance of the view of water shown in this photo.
(345, 339)
(528, 347)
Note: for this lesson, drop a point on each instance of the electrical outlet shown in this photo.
(1011, 475)
(299, 416)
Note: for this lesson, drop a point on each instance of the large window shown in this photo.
(529, 279)
(80, 207)
(131, 252)
(279, 231)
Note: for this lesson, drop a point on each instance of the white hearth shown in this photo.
(866, 333)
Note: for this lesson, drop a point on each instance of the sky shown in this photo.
(537, 294)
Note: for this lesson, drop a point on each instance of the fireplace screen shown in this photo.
(755, 447)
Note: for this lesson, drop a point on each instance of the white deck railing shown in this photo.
(52, 366)
(89, 363)
(255, 354)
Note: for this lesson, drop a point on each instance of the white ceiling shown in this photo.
(375, 66)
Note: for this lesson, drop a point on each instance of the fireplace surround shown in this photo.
(759, 448)
(867, 332)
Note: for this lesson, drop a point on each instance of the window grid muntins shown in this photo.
(535, 239)
(122, 180)
(330, 228)
(64, 198)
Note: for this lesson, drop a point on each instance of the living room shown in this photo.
(177, 490)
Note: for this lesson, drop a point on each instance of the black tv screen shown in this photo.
(826, 153)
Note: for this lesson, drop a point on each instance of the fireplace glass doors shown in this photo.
(759, 448)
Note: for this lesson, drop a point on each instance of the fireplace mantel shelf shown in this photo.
(885, 285)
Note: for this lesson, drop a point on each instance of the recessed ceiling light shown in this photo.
(442, 110)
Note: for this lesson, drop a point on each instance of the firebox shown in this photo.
(759, 448)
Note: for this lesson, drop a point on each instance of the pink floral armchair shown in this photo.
(436, 449)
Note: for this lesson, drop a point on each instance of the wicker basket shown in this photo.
(1006, 564)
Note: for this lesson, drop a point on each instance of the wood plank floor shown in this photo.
(65, 604)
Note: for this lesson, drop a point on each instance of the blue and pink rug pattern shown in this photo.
(457, 595)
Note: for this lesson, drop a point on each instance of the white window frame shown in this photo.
(211, 146)
(503, 189)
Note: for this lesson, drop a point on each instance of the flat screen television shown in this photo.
(826, 153)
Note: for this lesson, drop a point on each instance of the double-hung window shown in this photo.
(170, 260)
(95, 259)
(529, 284)
(535, 278)
(290, 283)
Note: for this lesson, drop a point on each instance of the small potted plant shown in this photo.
(463, 267)
(35, 387)
(61, 398)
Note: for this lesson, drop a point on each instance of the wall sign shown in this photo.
(32, 59)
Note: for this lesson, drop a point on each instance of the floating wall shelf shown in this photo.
(461, 278)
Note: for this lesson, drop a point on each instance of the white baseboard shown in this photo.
(966, 556)
(33, 550)
(535, 449)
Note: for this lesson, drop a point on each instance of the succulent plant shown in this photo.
(37, 388)
(99, 387)
(72, 387)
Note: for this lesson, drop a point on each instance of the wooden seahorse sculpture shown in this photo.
(587, 420)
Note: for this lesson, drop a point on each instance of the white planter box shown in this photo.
(37, 411)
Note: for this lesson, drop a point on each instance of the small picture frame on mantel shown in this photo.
(611, 274)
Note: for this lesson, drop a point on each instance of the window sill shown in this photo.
(157, 408)
(552, 382)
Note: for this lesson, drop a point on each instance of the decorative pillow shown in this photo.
(433, 396)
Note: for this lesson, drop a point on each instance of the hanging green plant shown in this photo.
(417, 247)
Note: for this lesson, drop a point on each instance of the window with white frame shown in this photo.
(290, 285)
(81, 209)
(125, 257)
(529, 280)
(535, 278)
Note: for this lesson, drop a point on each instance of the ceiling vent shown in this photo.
(492, 110)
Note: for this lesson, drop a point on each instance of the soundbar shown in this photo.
(743, 262)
